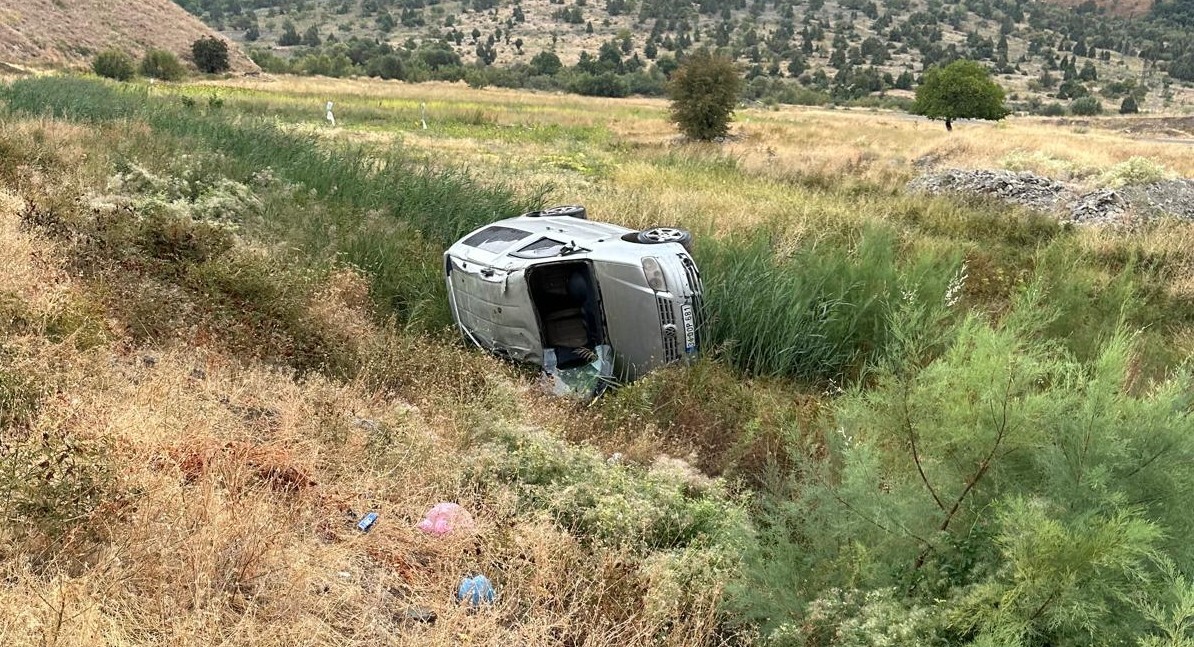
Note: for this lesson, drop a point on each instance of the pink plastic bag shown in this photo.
(444, 518)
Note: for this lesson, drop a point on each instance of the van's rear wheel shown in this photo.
(658, 235)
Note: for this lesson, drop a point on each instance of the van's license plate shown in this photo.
(689, 328)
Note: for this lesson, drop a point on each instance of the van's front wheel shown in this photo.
(657, 235)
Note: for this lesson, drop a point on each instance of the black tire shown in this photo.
(658, 235)
(568, 210)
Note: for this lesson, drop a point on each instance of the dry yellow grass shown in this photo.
(28, 264)
(230, 493)
(784, 139)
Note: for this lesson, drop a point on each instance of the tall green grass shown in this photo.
(351, 184)
(817, 312)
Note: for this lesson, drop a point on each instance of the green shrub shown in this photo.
(113, 64)
(271, 62)
(1053, 109)
(1044, 163)
(1134, 170)
(1129, 106)
(1086, 106)
(704, 92)
(668, 506)
(210, 54)
(1031, 494)
(161, 64)
(606, 84)
(854, 618)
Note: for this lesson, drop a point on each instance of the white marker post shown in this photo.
(331, 118)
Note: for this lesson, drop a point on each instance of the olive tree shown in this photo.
(960, 90)
(704, 91)
(210, 54)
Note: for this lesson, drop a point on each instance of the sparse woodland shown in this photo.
(858, 52)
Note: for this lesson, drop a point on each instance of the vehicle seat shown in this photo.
(566, 328)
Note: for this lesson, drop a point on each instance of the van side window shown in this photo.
(542, 248)
(495, 239)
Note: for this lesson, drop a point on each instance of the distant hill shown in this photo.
(1046, 54)
(68, 33)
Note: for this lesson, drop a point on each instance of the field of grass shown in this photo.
(224, 338)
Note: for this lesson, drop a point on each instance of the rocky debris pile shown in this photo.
(1099, 207)
(1172, 198)
(1024, 188)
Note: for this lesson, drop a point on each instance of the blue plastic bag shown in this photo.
(475, 591)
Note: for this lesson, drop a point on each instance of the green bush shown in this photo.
(1032, 496)
(161, 64)
(668, 506)
(113, 64)
(854, 618)
(606, 84)
(1053, 109)
(210, 54)
(1135, 170)
(1086, 106)
(1129, 106)
(704, 92)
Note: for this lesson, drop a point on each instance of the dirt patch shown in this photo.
(1158, 127)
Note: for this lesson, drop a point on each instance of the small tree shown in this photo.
(961, 90)
(311, 37)
(1129, 107)
(704, 91)
(388, 66)
(290, 35)
(546, 63)
(161, 64)
(210, 54)
(113, 64)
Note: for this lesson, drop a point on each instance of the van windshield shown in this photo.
(495, 239)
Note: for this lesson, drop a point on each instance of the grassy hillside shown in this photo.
(944, 421)
(50, 34)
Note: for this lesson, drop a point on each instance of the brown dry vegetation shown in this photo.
(179, 491)
(57, 33)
